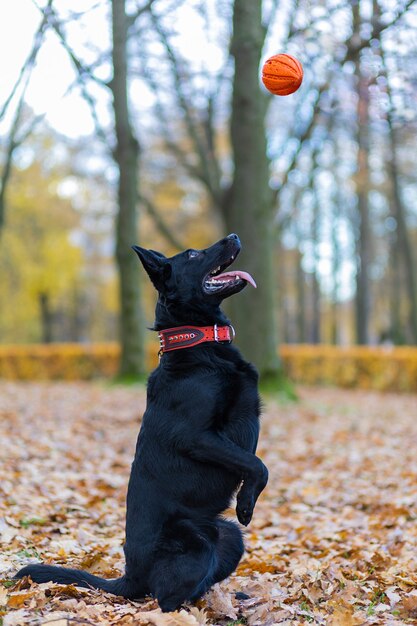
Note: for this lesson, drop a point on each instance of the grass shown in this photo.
(30, 553)
(307, 612)
(128, 380)
(278, 387)
(378, 597)
(32, 521)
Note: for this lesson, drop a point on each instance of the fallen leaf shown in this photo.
(343, 616)
(176, 618)
(393, 596)
(199, 614)
(16, 618)
(3, 596)
(408, 606)
(332, 537)
(17, 600)
(221, 602)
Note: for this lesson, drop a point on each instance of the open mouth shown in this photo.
(219, 280)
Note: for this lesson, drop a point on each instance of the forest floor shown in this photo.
(332, 541)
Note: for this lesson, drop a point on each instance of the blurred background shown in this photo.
(140, 121)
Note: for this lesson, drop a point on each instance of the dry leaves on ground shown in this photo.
(332, 542)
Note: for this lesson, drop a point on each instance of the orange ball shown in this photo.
(282, 74)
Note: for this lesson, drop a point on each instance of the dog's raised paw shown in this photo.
(244, 515)
(245, 503)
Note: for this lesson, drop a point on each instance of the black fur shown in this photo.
(195, 450)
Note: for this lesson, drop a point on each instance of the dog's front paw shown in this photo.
(244, 507)
(244, 516)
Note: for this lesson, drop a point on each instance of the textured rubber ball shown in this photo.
(282, 74)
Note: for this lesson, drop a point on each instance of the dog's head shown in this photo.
(193, 283)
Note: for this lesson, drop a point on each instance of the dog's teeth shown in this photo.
(219, 283)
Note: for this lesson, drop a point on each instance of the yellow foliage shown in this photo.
(37, 255)
(361, 367)
(58, 361)
(380, 368)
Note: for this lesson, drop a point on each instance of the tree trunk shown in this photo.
(301, 299)
(126, 155)
(363, 234)
(336, 265)
(316, 289)
(396, 332)
(363, 242)
(46, 317)
(403, 243)
(248, 205)
(334, 310)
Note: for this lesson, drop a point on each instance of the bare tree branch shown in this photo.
(29, 130)
(315, 148)
(274, 8)
(167, 8)
(302, 137)
(84, 73)
(208, 171)
(8, 167)
(352, 50)
(12, 143)
(160, 223)
(30, 61)
(403, 240)
(327, 12)
(131, 19)
(52, 19)
(75, 15)
(172, 145)
(354, 47)
(92, 106)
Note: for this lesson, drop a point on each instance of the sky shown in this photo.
(49, 93)
(52, 76)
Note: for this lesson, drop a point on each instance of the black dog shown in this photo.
(196, 447)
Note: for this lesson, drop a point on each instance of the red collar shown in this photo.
(188, 336)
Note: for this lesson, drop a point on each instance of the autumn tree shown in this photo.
(358, 213)
(123, 146)
(318, 176)
(41, 266)
(126, 154)
(243, 201)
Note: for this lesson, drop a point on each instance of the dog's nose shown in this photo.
(234, 237)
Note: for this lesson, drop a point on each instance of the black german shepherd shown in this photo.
(196, 447)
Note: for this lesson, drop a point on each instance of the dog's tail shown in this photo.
(66, 576)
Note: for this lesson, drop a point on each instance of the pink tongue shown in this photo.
(243, 275)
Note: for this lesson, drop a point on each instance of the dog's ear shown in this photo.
(155, 264)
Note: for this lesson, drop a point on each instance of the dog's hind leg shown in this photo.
(184, 565)
(190, 563)
(229, 549)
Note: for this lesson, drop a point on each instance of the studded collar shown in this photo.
(189, 336)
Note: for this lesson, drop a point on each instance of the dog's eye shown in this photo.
(192, 254)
